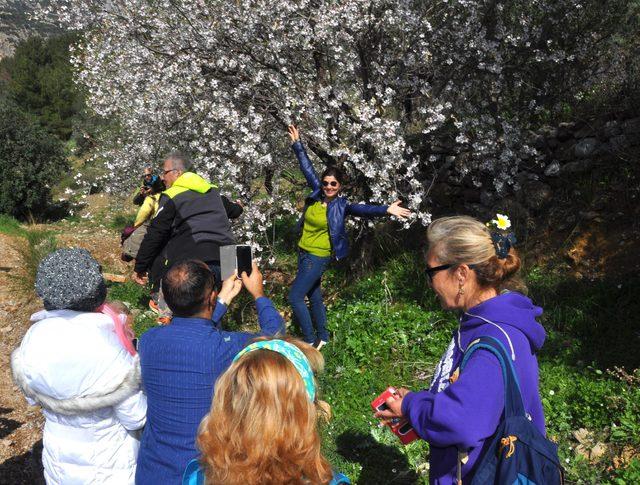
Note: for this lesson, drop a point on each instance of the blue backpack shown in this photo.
(517, 453)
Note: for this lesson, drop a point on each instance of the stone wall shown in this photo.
(565, 152)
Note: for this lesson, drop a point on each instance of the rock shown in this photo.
(536, 194)
(589, 215)
(471, 195)
(553, 169)
(611, 128)
(514, 209)
(584, 132)
(486, 198)
(565, 131)
(576, 167)
(586, 147)
(632, 126)
(539, 142)
(618, 143)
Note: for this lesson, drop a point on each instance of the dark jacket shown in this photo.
(337, 210)
(192, 222)
(180, 364)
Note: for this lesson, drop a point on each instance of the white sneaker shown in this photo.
(318, 344)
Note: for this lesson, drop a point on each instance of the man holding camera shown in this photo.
(181, 362)
(192, 221)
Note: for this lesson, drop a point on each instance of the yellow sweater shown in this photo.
(147, 210)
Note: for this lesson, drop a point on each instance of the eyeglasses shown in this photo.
(165, 172)
(326, 183)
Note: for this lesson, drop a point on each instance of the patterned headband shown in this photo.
(293, 355)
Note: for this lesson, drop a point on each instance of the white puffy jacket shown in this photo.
(72, 364)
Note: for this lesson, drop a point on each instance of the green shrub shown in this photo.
(41, 83)
(31, 161)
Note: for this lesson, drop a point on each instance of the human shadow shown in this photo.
(25, 469)
(7, 425)
(380, 463)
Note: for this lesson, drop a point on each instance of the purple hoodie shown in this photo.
(464, 414)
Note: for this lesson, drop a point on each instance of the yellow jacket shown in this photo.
(147, 210)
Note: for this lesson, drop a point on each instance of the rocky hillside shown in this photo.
(15, 25)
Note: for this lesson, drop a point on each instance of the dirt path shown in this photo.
(20, 424)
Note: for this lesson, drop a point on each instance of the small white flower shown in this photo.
(552, 392)
(502, 222)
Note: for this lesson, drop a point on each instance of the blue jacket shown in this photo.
(180, 364)
(338, 209)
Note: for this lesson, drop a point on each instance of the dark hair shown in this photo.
(157, 186)
(187, 287)
(336, 172)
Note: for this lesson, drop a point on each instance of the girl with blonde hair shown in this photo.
(262, 428)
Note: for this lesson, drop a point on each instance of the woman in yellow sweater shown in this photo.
(148, 209)
(323, 236)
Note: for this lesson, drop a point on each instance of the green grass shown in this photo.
(31, 245)
(10, 226)
(387, 328)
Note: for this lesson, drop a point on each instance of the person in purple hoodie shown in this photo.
(473, 271)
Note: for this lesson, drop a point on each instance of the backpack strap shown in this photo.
(513, 405)
(339, 479)
(193, 474)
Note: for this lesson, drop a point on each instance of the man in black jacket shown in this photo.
(192, 222)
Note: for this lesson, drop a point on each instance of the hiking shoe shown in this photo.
(318, 344)
(164, 320)
(153, 306)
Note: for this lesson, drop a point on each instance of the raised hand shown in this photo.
(395, 210)
(230, 289)
(253, 283)
(294, 134)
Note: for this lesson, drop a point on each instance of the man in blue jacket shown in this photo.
(181, 362)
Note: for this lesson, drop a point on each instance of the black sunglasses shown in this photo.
(431, 271)
(326, 183)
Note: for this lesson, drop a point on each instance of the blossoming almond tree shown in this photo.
(371, 83)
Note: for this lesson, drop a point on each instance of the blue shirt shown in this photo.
(180, 364)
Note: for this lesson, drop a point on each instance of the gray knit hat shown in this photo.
(70, 279)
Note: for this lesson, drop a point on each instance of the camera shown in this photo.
(399, 426)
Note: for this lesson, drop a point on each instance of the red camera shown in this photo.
(399, 426)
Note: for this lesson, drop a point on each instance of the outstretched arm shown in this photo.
(369, 210)
(303, 159)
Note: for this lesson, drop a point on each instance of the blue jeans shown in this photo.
(307, 283)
